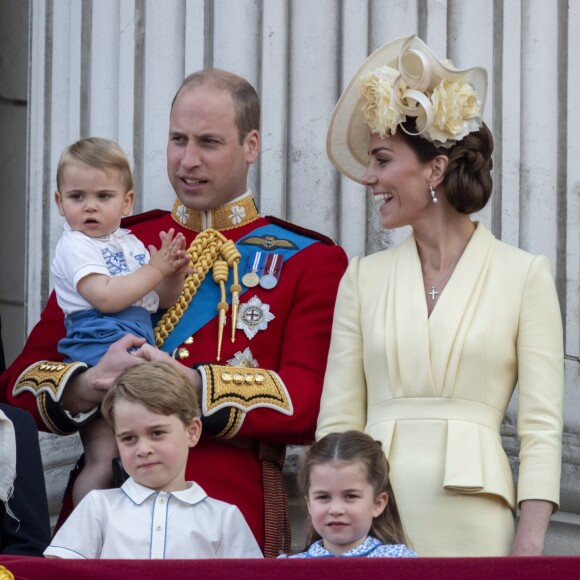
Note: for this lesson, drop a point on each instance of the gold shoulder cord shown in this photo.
(205, 252)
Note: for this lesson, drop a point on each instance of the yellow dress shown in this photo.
(434, 389)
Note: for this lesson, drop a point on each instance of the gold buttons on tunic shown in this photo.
(182, 353)
(242, 379)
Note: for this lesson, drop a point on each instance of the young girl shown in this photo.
(352, 510)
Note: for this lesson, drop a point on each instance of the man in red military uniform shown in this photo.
(253, 322)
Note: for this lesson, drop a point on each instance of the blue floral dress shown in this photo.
(370, 548)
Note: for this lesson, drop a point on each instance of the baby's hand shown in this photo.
(172, 256)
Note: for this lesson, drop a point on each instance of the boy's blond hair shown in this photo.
(98, 153)
(159, 386)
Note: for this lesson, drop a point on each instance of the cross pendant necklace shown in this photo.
(434, 293)
(437, 286)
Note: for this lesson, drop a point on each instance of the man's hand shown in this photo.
(85, 391)
(150, 353)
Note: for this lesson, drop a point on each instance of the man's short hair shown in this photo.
(244, 96)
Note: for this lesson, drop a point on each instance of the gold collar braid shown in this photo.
(234, 214)
(210, 249)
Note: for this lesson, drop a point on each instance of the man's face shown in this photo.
(206, 164)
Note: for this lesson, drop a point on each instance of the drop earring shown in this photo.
(433, 195)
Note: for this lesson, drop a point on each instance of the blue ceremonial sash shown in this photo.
(203, 306)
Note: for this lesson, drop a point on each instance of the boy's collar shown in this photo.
(138, 493)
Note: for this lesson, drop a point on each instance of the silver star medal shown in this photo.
(244, 359)
(254, 316)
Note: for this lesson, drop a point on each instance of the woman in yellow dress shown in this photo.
(431, 337)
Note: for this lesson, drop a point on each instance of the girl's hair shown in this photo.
(98, 153)
(468, 183)
(159, 386)
(356, 447)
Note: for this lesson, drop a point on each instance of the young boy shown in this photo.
(106, 282)
(156, 513)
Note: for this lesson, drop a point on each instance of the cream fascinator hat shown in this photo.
(404, 79)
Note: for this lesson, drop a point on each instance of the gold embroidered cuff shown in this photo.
(46, 381)
(238, 390)
(46, 376)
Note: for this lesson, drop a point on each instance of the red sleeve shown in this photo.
(41, 345)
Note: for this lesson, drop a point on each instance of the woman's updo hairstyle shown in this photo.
(468, 183)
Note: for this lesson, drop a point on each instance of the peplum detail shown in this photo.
(475, 461)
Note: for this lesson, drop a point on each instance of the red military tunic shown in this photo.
(249, 414)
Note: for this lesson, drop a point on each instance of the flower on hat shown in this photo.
(446, 110)
(381, 110)
(457, 111)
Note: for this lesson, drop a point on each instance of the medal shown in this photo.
(251, 277)
(271, 274)
(268, 281)
(244, 359)
(254, 316)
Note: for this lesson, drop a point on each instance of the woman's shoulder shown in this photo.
(512, 253)
(513, 260)
(381, 258)
(504, 258)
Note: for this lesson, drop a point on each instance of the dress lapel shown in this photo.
(407, 310)
(451, 318)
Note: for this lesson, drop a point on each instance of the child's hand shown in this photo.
(171, 258)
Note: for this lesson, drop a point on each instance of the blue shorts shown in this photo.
(89, 333)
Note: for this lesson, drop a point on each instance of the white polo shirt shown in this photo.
(77, 255)
(135, 522)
